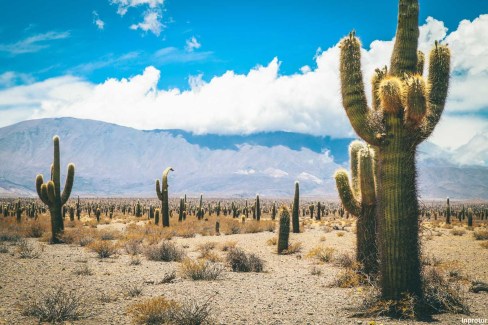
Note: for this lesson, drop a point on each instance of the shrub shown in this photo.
(3, 248)
(57, 305)
(133, 246)
(192, 312)
(109, 235)
(484, 244)
(481, 234)
(135, 260)
(134, 290)
(321, 253)
(346, 260)
(154, 311)
(34, 230)
(348, 278)
(27, 250)
(228, 245)
(5, 235)
(201, 269)
(168, 277)
(293, 248)
(83, 270)
(457, 231)
(273, 241)
(103, 248)
(241, 262)
(165, 252)
(85, 240)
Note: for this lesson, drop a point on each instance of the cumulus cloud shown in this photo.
(97, 21)
(152, 16)
(308, 101)
(33, 43)
(124, 5)
(192, 44)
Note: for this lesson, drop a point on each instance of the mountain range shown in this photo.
(113, 161)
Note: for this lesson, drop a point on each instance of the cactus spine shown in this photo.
(50, 193)
(162, 193)
(406, 109)
(358, 197)
(296, 206)
(284, 232)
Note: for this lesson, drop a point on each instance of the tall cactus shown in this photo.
(257, 208)
(406, 108)
(359, 199)
(296, 206)
(162, 193)
(50, 193)
(284, 231)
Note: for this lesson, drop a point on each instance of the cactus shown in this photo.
(405, 111)
(273, 211)
(319, 211)
(181, 210)
(311, 208)
(162, 193)
(258, 208)
(358, 197)
(97, 214)
(296, 206)
(470, 217)
(284, 231)
(448, 212)
(51, 195)
(156, 215)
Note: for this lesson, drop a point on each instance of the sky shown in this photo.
(224, 67)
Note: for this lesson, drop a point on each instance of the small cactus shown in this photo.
(258, 208)
(162, 193)
(284, 231)
(296, 206)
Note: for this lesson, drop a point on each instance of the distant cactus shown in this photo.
(273, 211)
(319, 211)
(448, 212)
(97, 214)
(258, 208)
(358, 197)
(200, 211)
(162, 193)
(470, 217)
(311, 208)
(50, 193)
(295, 211)
(284, 231)
(181, 210)
(156, 215)
(405, 110)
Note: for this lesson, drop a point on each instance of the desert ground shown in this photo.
(301, 287)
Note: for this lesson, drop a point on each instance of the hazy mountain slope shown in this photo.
(118, 161)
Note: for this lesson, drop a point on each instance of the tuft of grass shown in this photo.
(34, 230)
(346, 260)
(315, 270)
(293, 248)
(103, 248)
(273, 241)
(27, 250)
(201, 269)
(484, 244)
(168, 277)
(135, 260)
(349, 278)
(3, 248)
(85, 240)
(340, 234)
(457, 232)
(133, 246)
(83, 270)
(165, 252)
(57, 306)
(321, 253)
(134, 290)
(228, 245)
(481, 234)
(239, 261)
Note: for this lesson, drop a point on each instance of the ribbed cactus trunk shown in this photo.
(50, 193)
(162, 193)
(181, 210)
(284, 231)
(470, 217)
(406, 108)
(448, 212)
(258, 209)
(296, 206)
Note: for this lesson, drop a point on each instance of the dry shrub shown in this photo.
(273, 241)
(134, 290)
(34, 230)
(83, 270)
(103, 248)
(239, 261)
(69, 236)
(168, 277)
(458, 232)
(165, 252)
(85, 240)
(293, 248)
(321, 253)
(133, 246)
(228, 245)
(349, 278)
(254, 226)
(159, 310)
(57, 306)
(201, 269)
(135, 260)
(7, 235)
(109, 234)
(3, 248)
(346, 260)
(431, 260)
(481, 234)
(315, 270)
(340, 234)
(27, 250)
(484, 244)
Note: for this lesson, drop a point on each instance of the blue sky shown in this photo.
(228, 67)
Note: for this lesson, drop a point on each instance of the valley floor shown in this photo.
(285, 293)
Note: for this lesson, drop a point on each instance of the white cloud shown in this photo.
(124, 5)
(275, 172)
(306, 177)
(33, 43)
(192, 44)
(11, 78)
(263, 99)
(97, 21)
(245, 172)
(151, 23)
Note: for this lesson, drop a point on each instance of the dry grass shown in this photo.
(481, 234)
(346, 260)
(321, 253)
(239, 261)
(27, 250)
(201, 269)
(293, 248)
(57, 306)
(134, 290)
(457, 232)
(273, 241)
(228, 245)
(83, 270)
(164, 252)
(349, 278)
(103, 248)
(484, 244)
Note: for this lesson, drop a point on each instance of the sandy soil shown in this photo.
(286, 293)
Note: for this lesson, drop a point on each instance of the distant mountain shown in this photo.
(112, 160)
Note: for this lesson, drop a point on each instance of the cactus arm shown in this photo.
(366, 177)
(404, 56)
(378, 76)
(158, 190)
(69, 184)
(415, 101)
(352, 89)
(345, 193)
(56, 168)
(438, 80)
(354, 148)
(39, 183)
(51, 192)
(165, 178)
(45, 195)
